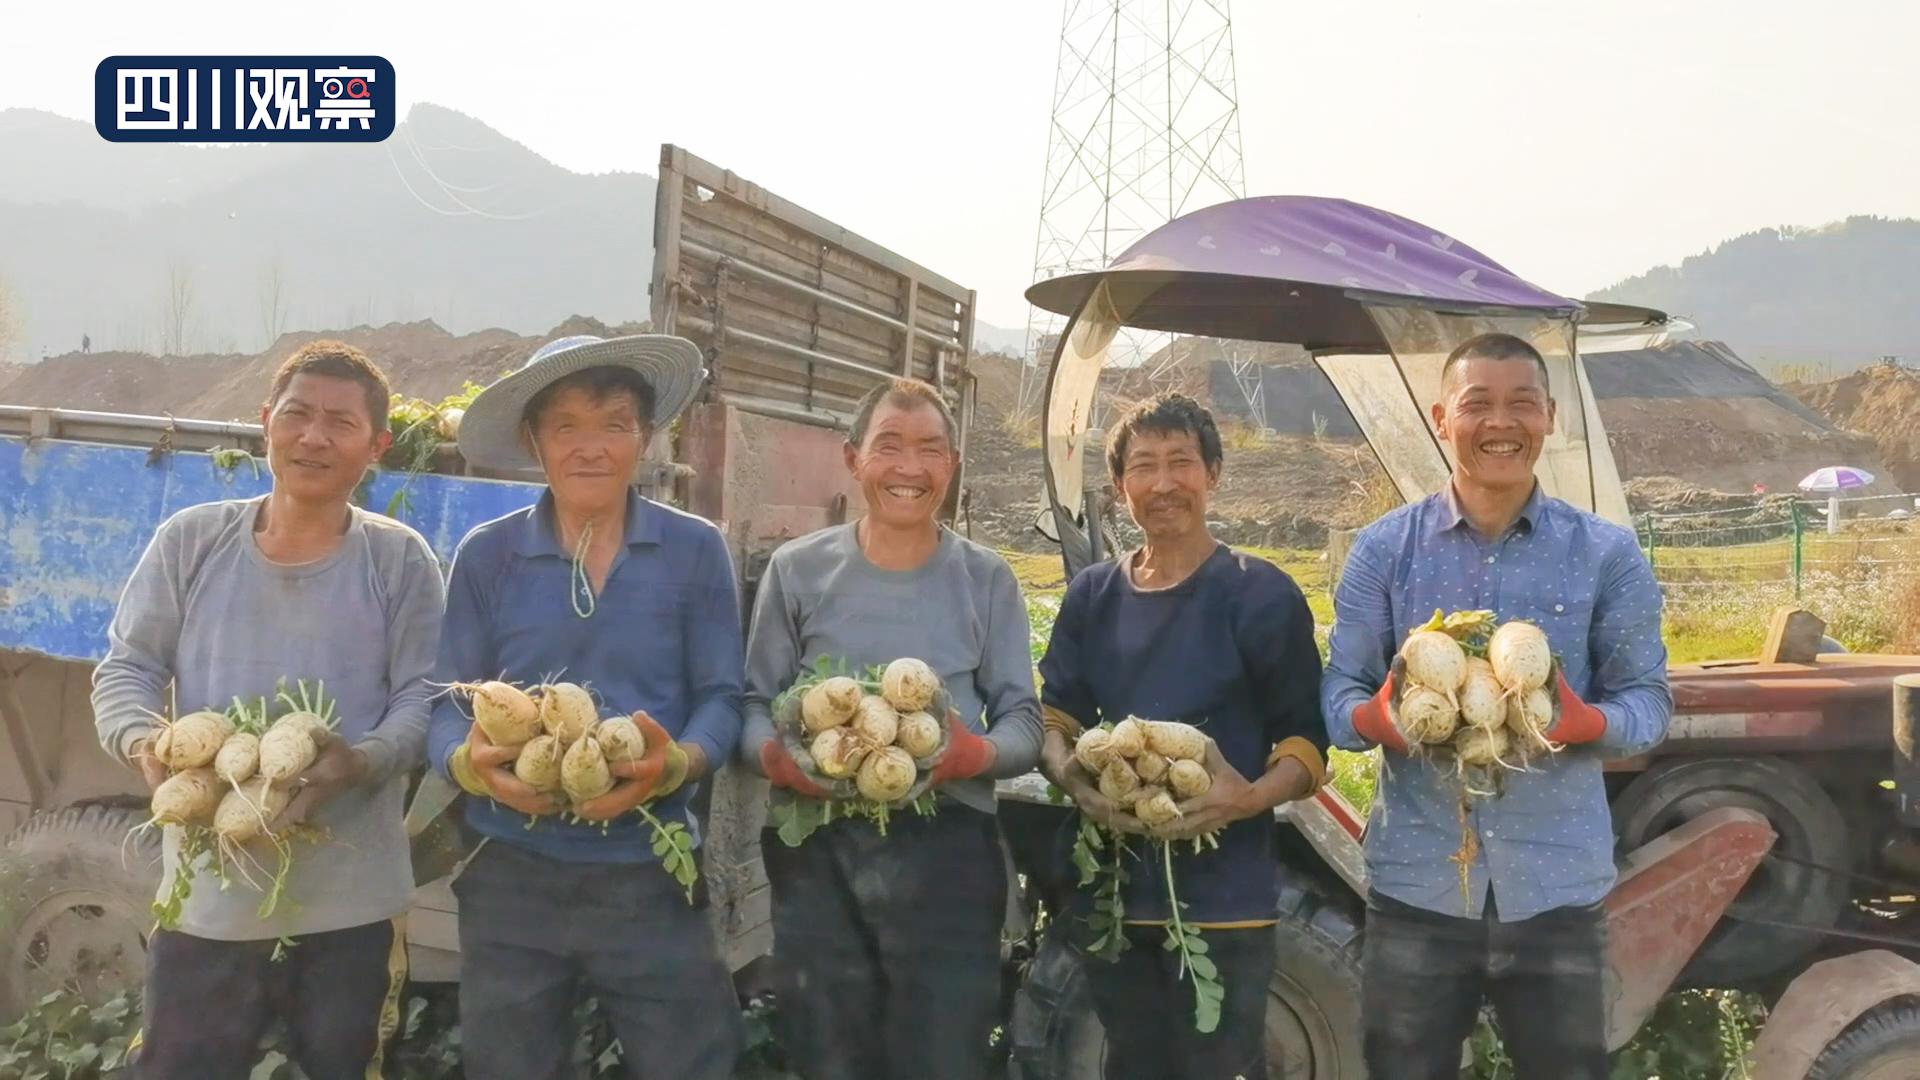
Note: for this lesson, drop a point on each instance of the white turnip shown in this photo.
(187, 798)
(506, 715)
(1092, 749)
(1152, 767)
(288, 748)
(238, 759)
(1128, 738)
(909, 685)
(1424, 715)
(1175, 741)
(566, 711)
(829, 703)
(247, 811)
(1189, 779)
(538, 765)
(621, 740)
(583, 770)
(875, 721)
(1521, 657)
(919, 734)
(1435, 659)
(1482, 701)
(887, 774)
(192, 741)
(837, 752)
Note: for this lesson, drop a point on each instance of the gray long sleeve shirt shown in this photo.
(208, 613)
(960, 612)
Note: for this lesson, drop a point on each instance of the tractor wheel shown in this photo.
(1884, 1044)
(1313, 1002)
(1738, 953)
(75, 897)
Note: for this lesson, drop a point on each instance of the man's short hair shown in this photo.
(336, 360)
(1494, 346)
(599, 383)
(908, 394)
(1167, 414)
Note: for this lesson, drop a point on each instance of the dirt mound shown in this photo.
(123, 382)
(1881, 402)
(1725, 444)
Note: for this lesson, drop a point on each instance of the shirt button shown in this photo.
(1557, 608)
(1489, 558)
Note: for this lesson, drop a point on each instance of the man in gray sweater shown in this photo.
(229, 599)
(887, 948)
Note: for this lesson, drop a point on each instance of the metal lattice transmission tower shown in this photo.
(1146, 126)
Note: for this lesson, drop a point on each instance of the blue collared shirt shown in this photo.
(664, 636)
(1547, 841)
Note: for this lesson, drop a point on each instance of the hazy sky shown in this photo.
(1576, 142)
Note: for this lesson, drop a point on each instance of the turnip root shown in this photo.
(1529, 715)
(1175, 741)
(583, 770)
(1118, 781)
(1426, 716)
(1128, 738)
(1157, 809)
(1478, 747)
(886, 775)
(1482, 701)
(313, 724)
(1434, 659)
(192, 741)
(566, 711)
(837, 752)
(919, 734)
(1520, 656)
(538, 765)
(506, 715)
(875, 721)
(909, 684)
(187, 798)
(449, 426)
(1189, 779)
(1151, 767)
(246, 812)
(238, 759)
(620, 739)
(829, 703)
(1093, 749)
(287, 748)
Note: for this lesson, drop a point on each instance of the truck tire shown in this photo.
(1737, 954)
(1313, 1005)
(75, 904)
(1884, 1044)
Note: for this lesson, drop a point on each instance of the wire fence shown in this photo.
(1731, 566)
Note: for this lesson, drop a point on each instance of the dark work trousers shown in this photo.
(209, 1002)
(1147, 1007)
(886, 950)
(1425, 974)
(538, 935)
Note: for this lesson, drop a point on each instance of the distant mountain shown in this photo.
(178, 248)
(1834, 298)
(989, 338)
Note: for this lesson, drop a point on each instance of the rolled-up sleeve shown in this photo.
(1629, 659)
(713, 654)
(1362, 641)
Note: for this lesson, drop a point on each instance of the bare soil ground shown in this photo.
(1882, 403)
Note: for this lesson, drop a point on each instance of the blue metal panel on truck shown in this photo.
(75, 516)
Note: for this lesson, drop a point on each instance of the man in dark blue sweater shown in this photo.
(1187, 629)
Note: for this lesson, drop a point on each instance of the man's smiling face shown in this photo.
(1496, 416)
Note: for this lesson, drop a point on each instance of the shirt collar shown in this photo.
(1534, 517)
(537, 536)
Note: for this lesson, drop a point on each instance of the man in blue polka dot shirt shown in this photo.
(1495, 898)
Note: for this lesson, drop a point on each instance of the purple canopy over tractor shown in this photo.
(1348, 283)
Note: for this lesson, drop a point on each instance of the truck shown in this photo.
(1768, 839)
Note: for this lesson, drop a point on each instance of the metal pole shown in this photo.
(1799, 532)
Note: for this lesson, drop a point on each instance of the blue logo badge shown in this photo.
(228, 99)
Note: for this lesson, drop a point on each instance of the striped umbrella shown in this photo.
(1831, 481)
(1836, 478)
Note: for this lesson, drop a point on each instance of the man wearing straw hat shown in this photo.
(636, 601)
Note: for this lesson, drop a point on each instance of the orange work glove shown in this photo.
(1578, 721)
(1374, 718)
(968, 755)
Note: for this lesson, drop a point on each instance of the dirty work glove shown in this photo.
(782, 771)
(1374, 718)
(968, 755)
(654, 775)
(492, 766)
(1577, 722)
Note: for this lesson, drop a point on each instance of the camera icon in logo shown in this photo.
(345, 97)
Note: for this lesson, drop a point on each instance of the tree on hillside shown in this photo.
(273, 299)
(176, 308)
